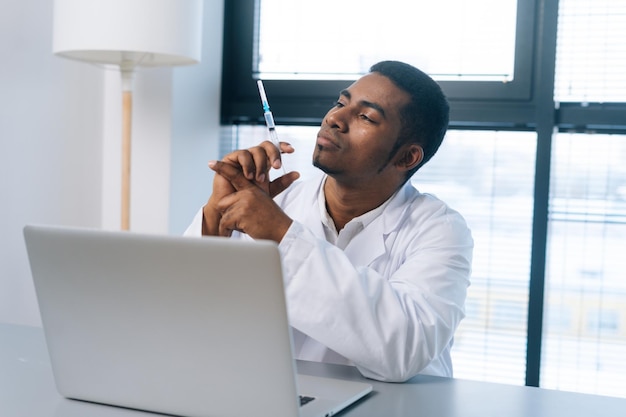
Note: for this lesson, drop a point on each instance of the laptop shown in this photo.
(171, 324)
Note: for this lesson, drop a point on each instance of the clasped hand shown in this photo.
(242, 197)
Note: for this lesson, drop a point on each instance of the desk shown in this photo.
(27, 390)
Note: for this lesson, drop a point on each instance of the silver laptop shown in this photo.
(176, 325)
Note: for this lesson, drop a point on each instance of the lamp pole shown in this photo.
(127, 72)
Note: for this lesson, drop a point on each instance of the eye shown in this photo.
(338, 104)
(365, 117)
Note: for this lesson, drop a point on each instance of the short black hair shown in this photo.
(425, 119)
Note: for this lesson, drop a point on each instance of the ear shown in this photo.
(409, 157)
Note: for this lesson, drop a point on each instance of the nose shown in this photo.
(336, 119)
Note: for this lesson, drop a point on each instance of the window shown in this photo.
(591, 60)
(483, 175)
(587, 209)
(300, 40)
(590, 65)
(586, 265)
(533, 160)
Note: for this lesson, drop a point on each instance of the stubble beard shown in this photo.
(320, 165)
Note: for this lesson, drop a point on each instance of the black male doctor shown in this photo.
(376, 273)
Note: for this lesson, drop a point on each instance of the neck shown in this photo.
(344, 203)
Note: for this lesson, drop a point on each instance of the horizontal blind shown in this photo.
(485, 176)
(591, 51)
(584, 338)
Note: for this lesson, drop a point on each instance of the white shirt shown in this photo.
(351, 229)
(389, 297)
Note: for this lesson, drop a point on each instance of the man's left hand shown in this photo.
(250, 209)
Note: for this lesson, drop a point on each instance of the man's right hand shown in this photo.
(255, 164)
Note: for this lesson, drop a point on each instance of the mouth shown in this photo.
(326, 141)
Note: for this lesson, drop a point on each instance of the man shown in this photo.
(376, 273)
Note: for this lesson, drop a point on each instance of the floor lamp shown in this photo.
(128, 34)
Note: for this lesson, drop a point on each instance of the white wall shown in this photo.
(195, 123)
(60, 147)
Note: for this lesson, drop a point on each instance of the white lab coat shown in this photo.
(390, 302)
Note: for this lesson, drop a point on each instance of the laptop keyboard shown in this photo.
(304, 399)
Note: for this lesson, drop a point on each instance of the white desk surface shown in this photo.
(27, 390)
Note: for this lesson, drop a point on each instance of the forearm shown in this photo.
(202, 225)
(210, 220)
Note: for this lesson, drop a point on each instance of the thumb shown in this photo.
(280, 184)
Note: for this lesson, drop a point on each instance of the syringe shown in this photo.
(269, 118)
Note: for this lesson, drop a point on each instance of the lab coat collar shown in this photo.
(369, 244)
(312, 220)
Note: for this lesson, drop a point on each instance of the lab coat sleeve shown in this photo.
(195, 228)
(391, 327)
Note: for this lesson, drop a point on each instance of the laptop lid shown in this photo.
(171, 324)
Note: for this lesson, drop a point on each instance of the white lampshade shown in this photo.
(129, 33)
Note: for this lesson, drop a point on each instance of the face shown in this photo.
(359, 131)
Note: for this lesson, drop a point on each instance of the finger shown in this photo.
(233, 174)
(281, 183)
(285, 147)
(224, 231)
(244, 159)
(225, 227)
(274, 153)
(262, 156)
(235, 210)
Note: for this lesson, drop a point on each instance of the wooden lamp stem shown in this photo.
(127, 108)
